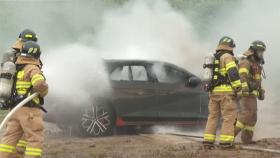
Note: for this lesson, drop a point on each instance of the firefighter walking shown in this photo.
(250, 73)
(224, 85)
(28, 119)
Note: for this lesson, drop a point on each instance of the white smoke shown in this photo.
(76, 73)
(150, 30)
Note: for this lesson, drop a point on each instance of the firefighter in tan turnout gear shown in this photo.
(24, 36)
(222, 89)
(28, 119)
(250, 70)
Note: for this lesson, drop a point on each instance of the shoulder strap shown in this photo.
(221, 53)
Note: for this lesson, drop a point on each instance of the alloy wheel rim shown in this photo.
(95, 120)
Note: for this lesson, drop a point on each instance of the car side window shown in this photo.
(167, 74)
(139, 73)
(120, 73)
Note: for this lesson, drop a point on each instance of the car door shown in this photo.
(176, 100)
(134, 93)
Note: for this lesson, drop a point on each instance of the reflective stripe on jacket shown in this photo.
(228, 69)
(27, 78)
(250, 75)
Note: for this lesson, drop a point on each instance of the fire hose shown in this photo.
(16, 108)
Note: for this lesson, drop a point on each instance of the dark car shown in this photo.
(144, 93)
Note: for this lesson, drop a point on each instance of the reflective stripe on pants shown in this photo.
(22, 143)
(226, 138)
(7, 148)
(209, 137)
(33, 151)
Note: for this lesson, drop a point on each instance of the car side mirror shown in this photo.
(193, 81)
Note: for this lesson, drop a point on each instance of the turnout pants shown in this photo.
(221, 106)
(27, 122)
(247, 118)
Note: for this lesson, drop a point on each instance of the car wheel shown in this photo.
(97, 120)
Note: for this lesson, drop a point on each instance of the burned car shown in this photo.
(144, 93)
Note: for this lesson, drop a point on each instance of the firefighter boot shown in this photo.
(226, 146)
(247, 136)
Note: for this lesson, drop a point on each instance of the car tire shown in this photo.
(97, 120)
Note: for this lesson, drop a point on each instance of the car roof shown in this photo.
(129, 62)
(141, 62)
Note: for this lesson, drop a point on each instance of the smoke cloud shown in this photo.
(76, 73)
(149, 30)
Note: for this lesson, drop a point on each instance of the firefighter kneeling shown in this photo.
(250, 73)
(224, 85)
(27, 120)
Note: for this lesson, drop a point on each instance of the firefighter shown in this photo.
(28, 119)
(224, 85)
(24, 36)
(250, 70)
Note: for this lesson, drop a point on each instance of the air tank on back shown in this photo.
(7, 73)
(208, 67)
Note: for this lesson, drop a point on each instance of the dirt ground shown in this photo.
(147, 146)
(57, 145)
